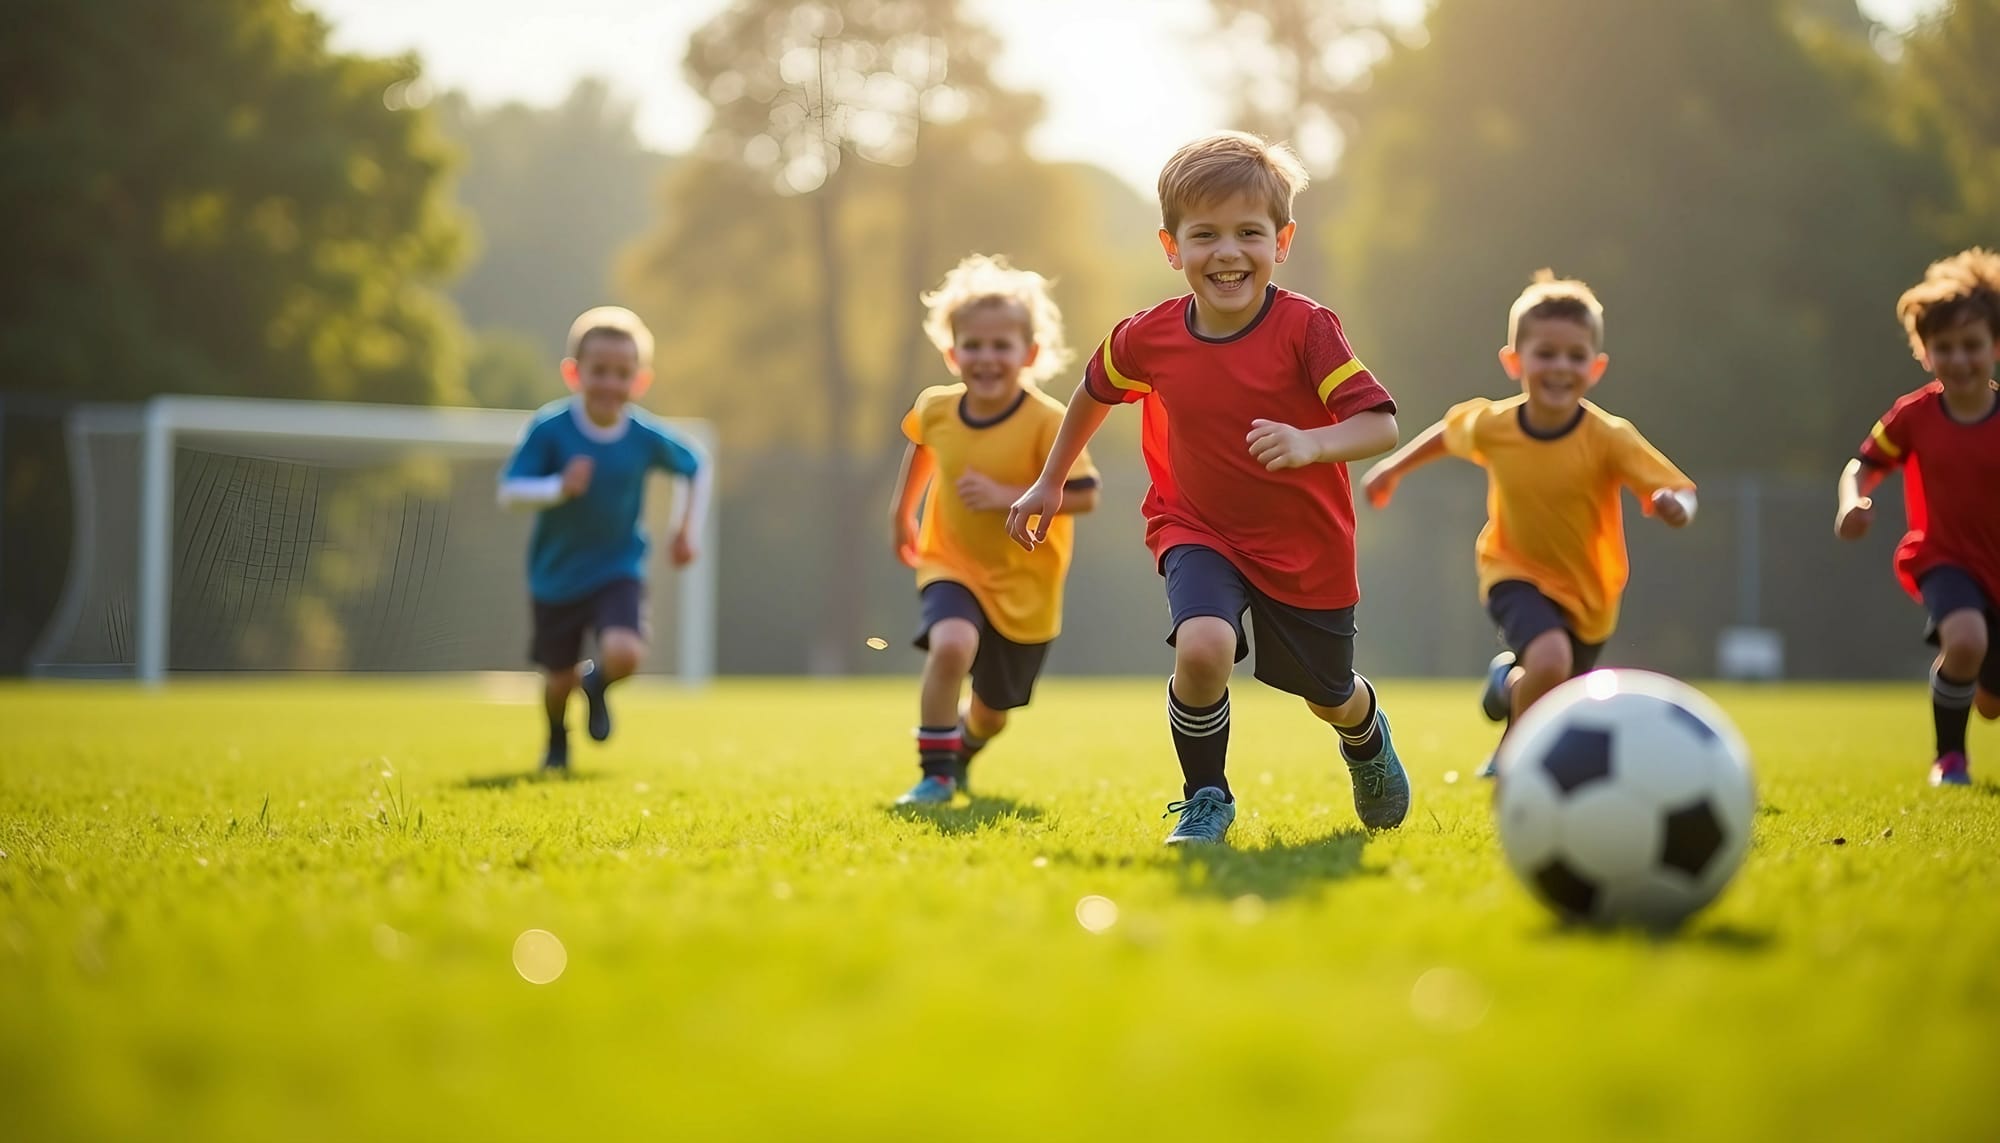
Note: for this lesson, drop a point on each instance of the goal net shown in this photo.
(221, 534)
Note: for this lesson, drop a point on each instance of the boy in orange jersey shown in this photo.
(1946, 438)
(990, 610)
(1250, 510)
(1552, 561)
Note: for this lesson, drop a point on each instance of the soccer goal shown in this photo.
(242, 534)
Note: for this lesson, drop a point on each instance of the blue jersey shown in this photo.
(580, 545)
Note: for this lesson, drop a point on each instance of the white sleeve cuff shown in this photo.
(530, 491)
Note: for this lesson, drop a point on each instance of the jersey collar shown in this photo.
(1187, 318)
(972, 422)
(602, 434)
(1533, 433)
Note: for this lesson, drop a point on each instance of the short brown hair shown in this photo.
(1964, 287)
(614, 320)
(1549, 298)
(1217, 166)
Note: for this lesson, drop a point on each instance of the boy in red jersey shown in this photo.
(1250, 508)
(1946, 438)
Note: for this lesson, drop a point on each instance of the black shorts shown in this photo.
(1003, 671)
(1947, 589)
(1524, 614)
(1301, 651)
(557, 643)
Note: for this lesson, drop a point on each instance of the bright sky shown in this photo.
(1125, 81)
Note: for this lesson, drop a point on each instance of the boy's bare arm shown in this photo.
(1380, 483)
(1044, 498)
(1858, 482)
(1277, 445)
(919, 465)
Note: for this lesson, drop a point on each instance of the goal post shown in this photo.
(335, 436)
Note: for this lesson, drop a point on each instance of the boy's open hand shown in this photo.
(576, 476)
(982, 493)
(1380, 485)
(1670, 508)
(905, 541)
(1040, 503)
(1854, 518)
(1276, 445)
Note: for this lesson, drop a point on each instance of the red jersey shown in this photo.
(1951, 487)
(1290, 533)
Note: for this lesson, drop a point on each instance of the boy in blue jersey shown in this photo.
(582, 465)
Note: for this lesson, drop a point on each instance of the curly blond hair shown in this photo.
(1964, 287)
(981, 280)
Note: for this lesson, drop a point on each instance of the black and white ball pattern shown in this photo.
(1625, 797)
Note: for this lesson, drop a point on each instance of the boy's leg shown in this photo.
(1003, 679)
(619, 610)
(554, 646)
(1547, 662)
(1986, 696)
(1958, 622)
(948, 634)
(1206, 599)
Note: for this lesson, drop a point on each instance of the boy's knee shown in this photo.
(1205, 649)
(983, 721)
(1964, 639)
(954, 643)
(1548, 659)
(621, 651)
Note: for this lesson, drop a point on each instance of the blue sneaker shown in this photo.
(1497, 702)
(1381, 788)
(600, 712)
(931, 790)
(1204, 817)
(1951, 770)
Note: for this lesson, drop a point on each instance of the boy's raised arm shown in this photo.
(1044, 497)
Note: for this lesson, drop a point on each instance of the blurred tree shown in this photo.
(510, 369)
(204, 198)
(1745, 216)
(1945, 81)
(555, 191)
(1301, 65)
(858, 148)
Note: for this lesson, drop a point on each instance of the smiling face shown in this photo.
(990, 347)
(606, 373)
(1556, 362)
(1228, 250)
(1962, 356)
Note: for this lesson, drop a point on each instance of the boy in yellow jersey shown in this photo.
(989, 609)
(1552, 561)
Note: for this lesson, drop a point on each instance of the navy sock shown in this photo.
(1951, 709)
(1201, 739)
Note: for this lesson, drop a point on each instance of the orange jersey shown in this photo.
(1020, 591)
(1553, 514)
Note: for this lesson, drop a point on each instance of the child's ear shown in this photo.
(641, 381)
(1034, 351)
(951, 359)
(1510, 360)
(1597, 367)
(570, 376)
(1172, 248)
(1285, 234)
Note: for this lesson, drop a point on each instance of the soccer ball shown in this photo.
(1625, 797)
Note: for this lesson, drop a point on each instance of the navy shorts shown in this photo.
(1003, 671)
(1947, 589)
(1524, 614)
(1301, 651)
(557, 643)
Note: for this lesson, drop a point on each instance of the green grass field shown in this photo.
(287, 910)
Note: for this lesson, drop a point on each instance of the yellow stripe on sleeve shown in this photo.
(1119, 379)
(1338, 377)
(1882, 441)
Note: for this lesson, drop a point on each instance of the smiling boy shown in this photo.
(1250, 510)
(1551, 558)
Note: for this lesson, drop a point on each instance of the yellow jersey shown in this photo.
(1020, 591)
(1553, 517)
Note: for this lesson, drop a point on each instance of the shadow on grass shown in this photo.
(1723, 938)
(980, 812)
(526, 778)
(1273, 872)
